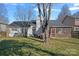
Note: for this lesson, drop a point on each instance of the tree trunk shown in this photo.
(46, 17)
(46, 36)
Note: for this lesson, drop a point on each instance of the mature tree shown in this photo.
(64, 11)
(45, 12)
(3, 18)
(3, 14)
(23, 14)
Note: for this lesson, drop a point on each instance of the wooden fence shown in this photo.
(75, 34)
(3, 34)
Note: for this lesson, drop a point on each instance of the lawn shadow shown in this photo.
(14, 44)
(7, 43)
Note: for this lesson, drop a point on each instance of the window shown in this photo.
(76, 28)
(59, 30)
(14, 29)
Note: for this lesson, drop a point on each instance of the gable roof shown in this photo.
(58, 23)
(54, 23)
(22, 23)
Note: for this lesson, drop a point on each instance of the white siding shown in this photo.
(3, 27)
(76, 28)
(38, 26)
(30, 31)
(13, 31)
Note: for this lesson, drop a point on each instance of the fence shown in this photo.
(3, 34)
(75, 34)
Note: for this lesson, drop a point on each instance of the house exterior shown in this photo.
(67, 27)
(21, 28)
(3, 30)
(76, 24)
(3, 27)
(57, 28)
(62, 28)
(60, 31)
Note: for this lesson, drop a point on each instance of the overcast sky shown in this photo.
(56, 8)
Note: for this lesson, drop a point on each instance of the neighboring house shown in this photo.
(65, 27)
(57, 28)
(76, 24)
(21, 28)
(3, 29)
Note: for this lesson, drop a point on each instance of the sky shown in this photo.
(56, 8)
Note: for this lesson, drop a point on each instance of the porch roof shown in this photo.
(61, 27)
(54, 23)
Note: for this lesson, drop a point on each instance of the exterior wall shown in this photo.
(76, 28)
(52, 32)
(77, 22)
(3, 30)
(3, 27)
(76, 25)
(21, 31)
(60, 32)
(63, 32)
(38, 24)
(13, 31)
(75, 32)
(30, 31)
(16, 29)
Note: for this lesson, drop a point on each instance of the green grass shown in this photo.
(36, 47)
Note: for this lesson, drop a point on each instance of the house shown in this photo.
(3, 28)
(76, 24)
(66, 27)
(57, 28)
(62, 28)
(21, 28)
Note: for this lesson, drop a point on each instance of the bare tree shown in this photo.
(45, 12)
(64, 11)
(3, 14)
(23, 14)
(3, 19)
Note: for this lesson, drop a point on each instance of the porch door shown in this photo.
(53, 32)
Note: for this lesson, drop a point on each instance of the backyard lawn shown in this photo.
(35, 47)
